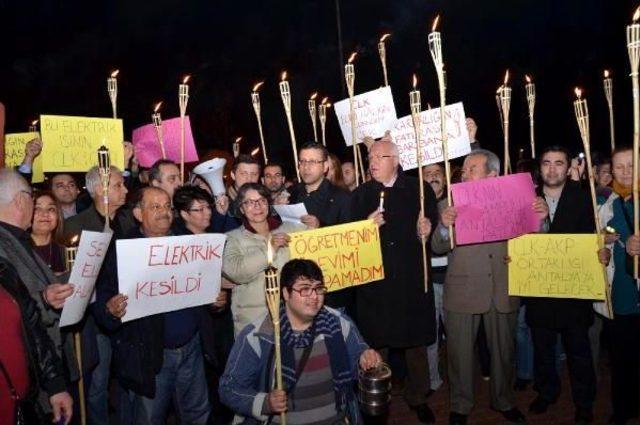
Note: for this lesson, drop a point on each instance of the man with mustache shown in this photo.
(157, 359)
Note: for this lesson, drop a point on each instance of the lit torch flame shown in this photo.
(186, 79)
(352, 57)
(255, 151)
(526, 77)
(115, 73)
(324, 100)
(329, 105)
(283, 76)
(238, 139)
(415, 81)
(434, 27)
(506, 77)
(257, 86)
(606, 73)
(157, 107)
(636, 15)
(74, 240)
(578, 93)
(34, 123)
(269, 251)
(384, 37)
(313, 96)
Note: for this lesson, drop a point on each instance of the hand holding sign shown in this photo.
(56, 293)
(117, 305)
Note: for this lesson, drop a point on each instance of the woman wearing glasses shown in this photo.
(245, 255)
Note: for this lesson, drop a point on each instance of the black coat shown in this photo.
(396, 312)
(574, 214)
(138, 345)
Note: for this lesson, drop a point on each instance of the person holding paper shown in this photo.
(157, 359)
(570, 211)
(32, 149)
(321, 345)
(397, 313)
(477, 288)
(245, 254)
(16, 211)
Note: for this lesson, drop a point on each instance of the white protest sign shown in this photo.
(375, 114)
(91, 252)
(431, 140)
(169, 273)
(291, 213)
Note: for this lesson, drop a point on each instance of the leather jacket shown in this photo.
(46, 371)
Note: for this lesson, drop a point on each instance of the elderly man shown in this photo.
(321, 352)
(16, 210)
(398, 312)
(475, 289)
(158, 359)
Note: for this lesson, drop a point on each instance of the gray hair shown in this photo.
(11, 183)
(493, 162)
(394, 147)
(92, 178)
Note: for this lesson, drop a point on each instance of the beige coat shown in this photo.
(244, 262)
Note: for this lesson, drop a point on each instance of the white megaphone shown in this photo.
(211, 171)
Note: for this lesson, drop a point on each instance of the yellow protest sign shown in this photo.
(348, 254)
(14, 147)
(71, 143)
(556, 266)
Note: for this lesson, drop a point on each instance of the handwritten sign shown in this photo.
(14, 148)
(169, 273)
(556, 266)
(348, 254)
(430, 139)
(494, 209)
(148, 151)
(375, 114)
(91, 252)
(71, 143)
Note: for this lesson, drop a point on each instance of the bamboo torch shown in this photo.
(33, 127)
(633, 48)
(435, 47)
(312, 113)
(350, 77)
(530, 88)
(70, 253)
(608, 93)
(157, 124)
(255, 101)
(322, 116)
(504, 94)
(285, 93)
(183, 99)
(382, 51)
(582, 116)
(272, 294)
(416, 106)
(112, 89)
(104, 166)
(236, 147)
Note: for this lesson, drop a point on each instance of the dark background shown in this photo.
(56, 56)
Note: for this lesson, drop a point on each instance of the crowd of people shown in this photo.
(214, 363)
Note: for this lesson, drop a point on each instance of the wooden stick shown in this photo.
(636, 159)
(423, 239)
(78, 350)
(361, 164)
(272, 294)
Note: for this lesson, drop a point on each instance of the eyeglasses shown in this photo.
(201, 209)
(379, 157)
(262, 202)
(311, 162)
(307, 291)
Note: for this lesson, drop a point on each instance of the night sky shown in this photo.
(57, 55)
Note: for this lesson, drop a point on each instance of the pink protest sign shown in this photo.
(145, 141)
(494, 209)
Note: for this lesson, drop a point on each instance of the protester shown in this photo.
(32, 149)
(28, 359)
(472, 128)
(476, 289)
(334, 174)
(273, 178)
(46, 231)
(397, 313)
(349, 175)
(570, 211)
(157, 359)
(321, 352)
(602, 168)
(245, 254)
(65, 189)
(246, 169)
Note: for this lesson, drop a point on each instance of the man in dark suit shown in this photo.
(570, 211)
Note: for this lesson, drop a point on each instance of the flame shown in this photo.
(578, 92)
(328, 105)
(382, 195)
(506, 77)
(34, 122)
(384, 37)
(313, 96)
(269, 251)
(352, 57)
(255, 151)
(434, 27)
(157, 107)
(115, 73)
(186, 79)
(415, 81)
(526, 77)
(324, 100)
(636, 15)
(238, 139)
(74, 240)
(257, 86)
(283, 76)
(606, 73)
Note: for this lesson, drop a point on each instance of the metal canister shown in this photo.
(374, 387)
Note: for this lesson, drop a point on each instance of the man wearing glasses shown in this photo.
(397, 313)
(321, 352)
